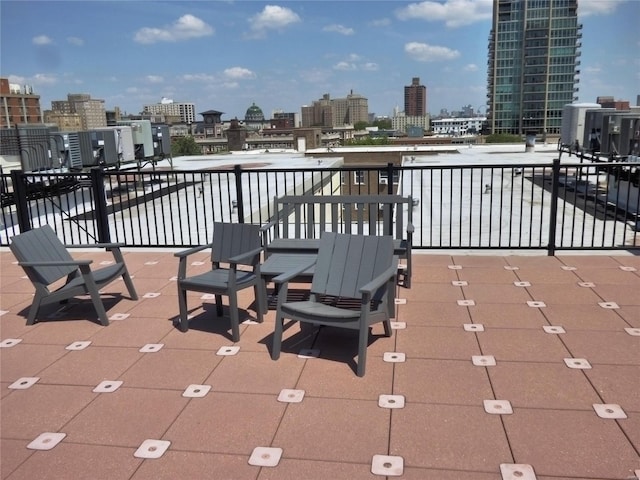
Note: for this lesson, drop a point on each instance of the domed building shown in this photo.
(254, 118)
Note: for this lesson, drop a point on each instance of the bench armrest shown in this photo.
(190, 251)
(287, 276)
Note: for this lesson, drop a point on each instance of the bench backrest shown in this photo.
(307, 216)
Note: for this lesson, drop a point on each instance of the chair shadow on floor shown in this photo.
(207, 319)
(76, 309)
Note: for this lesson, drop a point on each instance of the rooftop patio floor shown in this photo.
(499, 367)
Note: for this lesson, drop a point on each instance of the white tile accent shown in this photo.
(498, 407)
(208, 296)
(398, 325)
(197, 264)
(391, 401)
(153, 262)
(400, 301)
(309, 353)
(459, 283)
(248, 321)
(228, 350)
(455, 267)
(119, 316)
(609, 410)
(24, 383)
(394, 357)
(517, 471)
(578, 363)
(106, 262)
(151, 448)
(510, 267)
(151, 295)
(108, 386)
(628, 269)
(567, 268)
(474, 327)
(288, 395)
(151, 347)
(483, 360)
(387, 465)
(633, 331)
(10, 342)
(536, 304)
(46, 441)
(2, 312)
(196, 391)
(466, 303)
(586, 284)
(522, 284)
(78, 345)
(553, 329)
(609, 305)
(265, 456)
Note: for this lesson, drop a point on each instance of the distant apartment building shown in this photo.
(532, 65)
(19, 105)
(185, 112)
(328, 112)
(403, 122)
(610, 102)
(457, 126)
(90, 111)
(415, 99)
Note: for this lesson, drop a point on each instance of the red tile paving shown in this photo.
(443, 432)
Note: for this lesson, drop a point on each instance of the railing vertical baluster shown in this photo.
(237, 169)
(20, 197)
(100, 199)
(553, 213)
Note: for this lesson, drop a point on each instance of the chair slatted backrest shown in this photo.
(231, 239)
(38, 245)
(348, 262)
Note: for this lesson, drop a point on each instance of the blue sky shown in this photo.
(225, 55)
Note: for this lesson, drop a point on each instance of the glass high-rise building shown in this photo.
(534, 48)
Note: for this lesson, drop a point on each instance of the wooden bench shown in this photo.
(299, 221)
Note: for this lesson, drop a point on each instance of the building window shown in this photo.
(359, 177)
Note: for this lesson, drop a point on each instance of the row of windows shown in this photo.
(360, 177)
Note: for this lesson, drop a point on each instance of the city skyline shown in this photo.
(226, 55)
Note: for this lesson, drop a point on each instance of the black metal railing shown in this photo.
(544, 205)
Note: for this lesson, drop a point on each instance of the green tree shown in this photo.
(360, 126)
(185, 146)
(383, 124)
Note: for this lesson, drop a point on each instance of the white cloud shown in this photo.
(370, 66)
(345, 66)
(43, 79)
(154, 79)
(41, 40)
(471, 67)
(78, 42)
(455, 13)
(598, 7)
(382, 22)
(341, 29)
(594, 69)
(423, 52)
(185, 28)
(272, 17)
(239, 73)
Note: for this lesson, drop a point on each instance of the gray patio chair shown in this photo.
(234, 244)
(352, 287)
(46, 260)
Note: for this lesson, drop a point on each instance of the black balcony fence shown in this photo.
(549, 206)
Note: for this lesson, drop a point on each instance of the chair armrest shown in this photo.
(56, 263)
(264, 228)
(245, 255)
(186, 253)
(381, 279)
(287, 276)
(97, 245)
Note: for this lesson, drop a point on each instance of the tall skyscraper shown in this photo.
(533, 59)
(415, 99)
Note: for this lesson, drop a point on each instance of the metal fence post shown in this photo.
(20, 199)
(553, 214)
(100, 198)
(237, 170)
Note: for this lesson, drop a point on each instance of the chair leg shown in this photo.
(260, 302)
(219, 310)
(277, 338)
(233, 313)
(363, 342)
(387, 327)
(35, 307)
(97, 302)
(130, 287)
(183, 321)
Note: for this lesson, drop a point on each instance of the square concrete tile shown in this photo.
(495, 293)
(522, 345)
(448, 437)
(584, 317)
(14, 453)
(308, 430)
(242, 422)
(563, 294)
(437, 342)
(443, 314)
(28, 360)
(542, 385)
(126, 417)
(132, 332)
(79, 461)
(507, 315)
(604, 347)
(49, 407)
(493, 275)
(294, 469)
(569, 444)
(180, 464)
(618, 384)
(440, 381)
